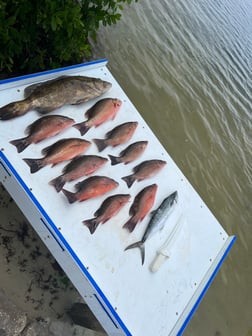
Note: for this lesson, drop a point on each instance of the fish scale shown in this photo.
(43, 128)
(129, 154)
(117, 136)
(144, 170)
(62, 150)
(91, 187)
(78, 167)
(50, 95)
(141, 206)
(103, 110)
(109, 208)
(156, 222)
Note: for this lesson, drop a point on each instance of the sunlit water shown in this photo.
(186, 66)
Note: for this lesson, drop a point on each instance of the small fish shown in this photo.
(117, 136)
(141, 206)
(104, 110)
(48, 96)
(109, 208)
(156, 222)
(91, 187)
(62, 150)
(129, 154)
(81, 166)
(144, 170)
(43, 128)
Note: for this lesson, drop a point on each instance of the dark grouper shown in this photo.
(48, 96)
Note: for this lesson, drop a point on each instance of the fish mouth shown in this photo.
(117, 102)
(175, 195)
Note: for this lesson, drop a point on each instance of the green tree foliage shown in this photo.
(43, 34)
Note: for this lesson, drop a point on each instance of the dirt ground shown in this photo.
(30, 276)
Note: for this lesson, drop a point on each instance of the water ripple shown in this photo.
(187, 67)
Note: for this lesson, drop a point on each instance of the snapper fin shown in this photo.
(130, 179)
(35, 164)
(20, 144)
(69, 195)
(114, 159)
(100, 143)
(58, 183)
(82, 127)
(92, 224)
(130, 224)
(140, 245)
(46, 150)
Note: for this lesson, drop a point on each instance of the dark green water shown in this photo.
(187, 67)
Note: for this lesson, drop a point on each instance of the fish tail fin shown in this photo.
(100, 143)
(140, 245)
(58, 183)
(92, 224)
(69, 195)
(14, 109)
(114, 159)
(35, 164)
(130, 179)
(20, 144)
(130, 224)
(82, 127)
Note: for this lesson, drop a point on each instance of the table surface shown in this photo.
(131, 288)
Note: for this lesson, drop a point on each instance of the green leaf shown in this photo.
(38, 35)
(53, 24)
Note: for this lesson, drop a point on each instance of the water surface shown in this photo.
(186, 66)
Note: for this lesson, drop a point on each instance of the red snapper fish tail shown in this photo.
(35, 164)
(130, 179)
(114, 159)
(20, 144)
(130, 224)
(69, 195)
(83, 127)
(100, 143)
(58, 183)
(92, 224)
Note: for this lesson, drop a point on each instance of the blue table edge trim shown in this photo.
(60, 236)
(189, 316)
(65, 243)
(40, 208)
(88, 275)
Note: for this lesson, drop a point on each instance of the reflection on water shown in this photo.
(186, 65)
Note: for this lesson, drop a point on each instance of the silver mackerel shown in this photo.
(156, 222)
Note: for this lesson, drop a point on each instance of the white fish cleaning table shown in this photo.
(128, 298)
